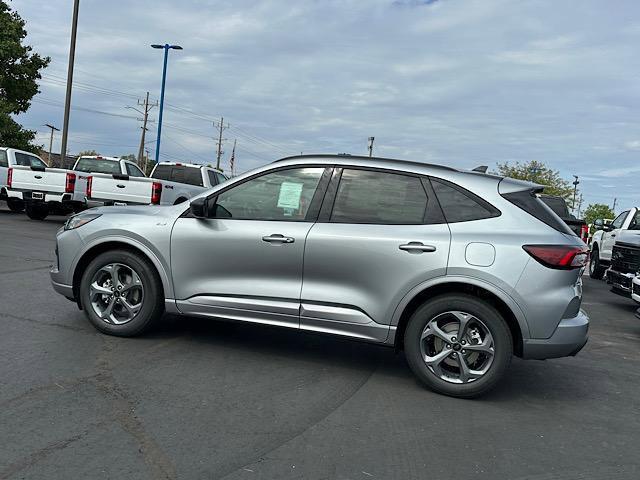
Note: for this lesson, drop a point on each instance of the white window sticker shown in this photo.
(290, 194)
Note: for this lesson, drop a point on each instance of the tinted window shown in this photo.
(557, 204)
(162, 172)
(221, 178)
(528, 201)
(617, 223)
(378, 197)
(134, 171)
(94, 165)
(212, 178)
(3, 159)
(460, 205)
(635, 222)
(283, 195)
(25, 160)
(179, 174)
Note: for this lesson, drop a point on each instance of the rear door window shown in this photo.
(3, 159)
(25, 160)
(460, 205)
(134, 171)
(376, 197)
(221, 178)
(212, 178)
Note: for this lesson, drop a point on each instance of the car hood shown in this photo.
(630, 237)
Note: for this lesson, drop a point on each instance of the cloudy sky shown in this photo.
(459, 82)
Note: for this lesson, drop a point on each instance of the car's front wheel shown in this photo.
(596, 270)
(121, 293)
(458, 345)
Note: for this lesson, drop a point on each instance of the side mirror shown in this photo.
(198, 207)
(599, 224)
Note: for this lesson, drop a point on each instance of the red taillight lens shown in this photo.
(156, 192)
(584, 233)
(562, 257)
(89, 184)
(9, 177)
(70, 184)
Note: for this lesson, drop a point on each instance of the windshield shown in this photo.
(94, 165)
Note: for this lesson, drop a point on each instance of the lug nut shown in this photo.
(448, 346)
(119, 287)
(464, 351)
(463, 342)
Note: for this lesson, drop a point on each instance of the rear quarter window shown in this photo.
(459, 204)
(3, 159)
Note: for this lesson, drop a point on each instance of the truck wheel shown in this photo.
(179, 201)
(458, 345)
(596, 271)
(121, 293)
(15, 205)
(36, 212)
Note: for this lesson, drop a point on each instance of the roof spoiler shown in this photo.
(510, 185)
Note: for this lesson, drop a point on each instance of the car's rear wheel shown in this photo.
(37, 211)
(15, 204)
(121, 293)
(458, 345)
(596, 270)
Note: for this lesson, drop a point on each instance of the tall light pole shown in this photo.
(370, 147)
(166, 48)
(576, 182)
(67, 100)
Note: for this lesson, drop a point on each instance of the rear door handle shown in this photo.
(417, 247)
(277, 238)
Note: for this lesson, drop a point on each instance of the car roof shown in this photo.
(362, 160)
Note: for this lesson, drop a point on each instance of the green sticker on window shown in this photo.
(290, 194)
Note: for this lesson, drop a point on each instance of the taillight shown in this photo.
(9, 177)
(89, 184)
(561, 257)
(156, 193)
(70, 184)
(584, 233)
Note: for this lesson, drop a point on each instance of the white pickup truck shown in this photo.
(113, 181)
(181, 181)
(28, 182)
(605, 237)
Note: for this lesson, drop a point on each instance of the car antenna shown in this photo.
(481, 169)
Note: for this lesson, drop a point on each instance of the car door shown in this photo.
(244, 262)
(609, 238)
(380, 233)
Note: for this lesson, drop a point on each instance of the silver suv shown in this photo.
(458, 268)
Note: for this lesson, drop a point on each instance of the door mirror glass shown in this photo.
(598, 224)
(198, 207)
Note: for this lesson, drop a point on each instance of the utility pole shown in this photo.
(146, 161)
(145, 115)
(221, 126)
(67, 100)
(615, 201)
(575, 190)
(579, 206)
(53, 129)
(370, 147)
(232, 160)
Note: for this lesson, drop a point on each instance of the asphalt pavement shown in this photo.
(199, 399)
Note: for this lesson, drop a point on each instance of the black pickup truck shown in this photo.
(559, 207)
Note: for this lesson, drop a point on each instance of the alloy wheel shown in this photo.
(457, 347)
(116, 293)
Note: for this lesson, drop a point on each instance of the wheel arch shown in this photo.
(120, 244)
(180, 199)
(498, 299)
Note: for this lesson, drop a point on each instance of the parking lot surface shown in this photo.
(199, 399)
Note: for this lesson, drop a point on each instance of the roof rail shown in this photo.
(342, 156)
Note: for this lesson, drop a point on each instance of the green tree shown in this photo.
(538, 172)
(88, 153)
(19, 72)
(131, 157)
(598, 210)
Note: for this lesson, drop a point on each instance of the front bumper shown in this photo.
(567, 340)
(620, 281)
(635, 289)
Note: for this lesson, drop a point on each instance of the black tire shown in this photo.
(152, 306)
(36, 211)
(15, 205)
(596, 270)
(483, 311)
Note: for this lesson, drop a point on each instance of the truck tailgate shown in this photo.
(51, 180)
(120, 188)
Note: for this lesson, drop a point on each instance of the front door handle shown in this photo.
(417, 247)
(277, 238)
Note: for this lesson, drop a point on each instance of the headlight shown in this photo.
(80, 220)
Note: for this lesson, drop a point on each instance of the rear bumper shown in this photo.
(94, 202)
(46, 197)
(568, 339)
